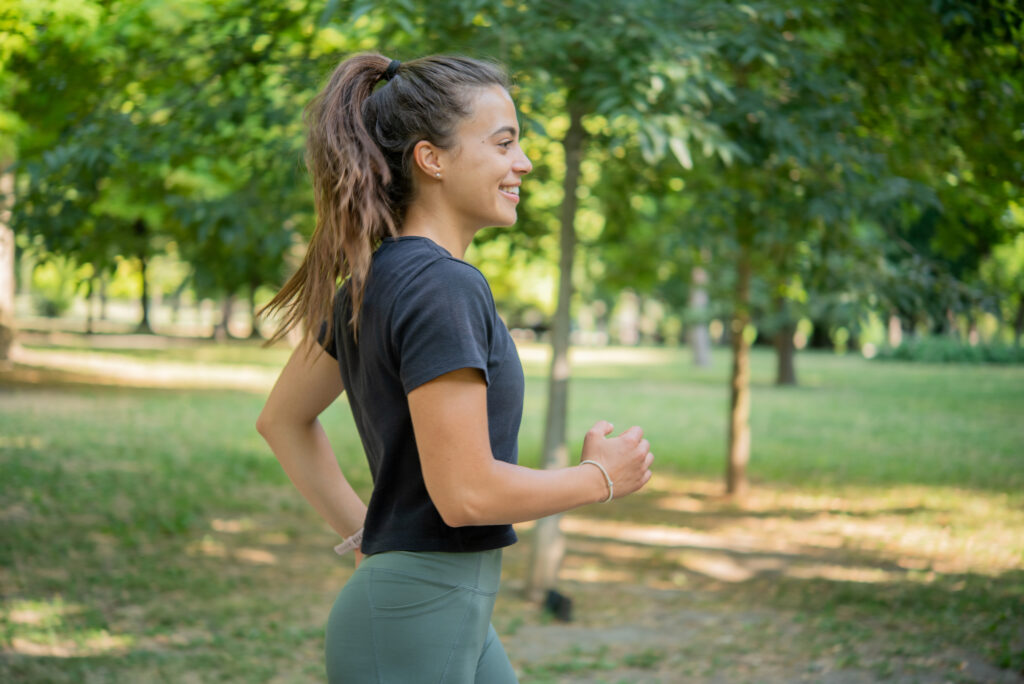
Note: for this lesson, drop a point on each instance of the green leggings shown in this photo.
(408, 617)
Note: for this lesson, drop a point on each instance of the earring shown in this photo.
(438, 174)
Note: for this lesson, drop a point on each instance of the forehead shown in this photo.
(490, 109)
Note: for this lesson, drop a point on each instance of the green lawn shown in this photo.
(149, 534)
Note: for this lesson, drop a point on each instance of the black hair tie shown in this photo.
(392, 69)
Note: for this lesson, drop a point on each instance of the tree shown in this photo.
(139, 151)
(943, 93)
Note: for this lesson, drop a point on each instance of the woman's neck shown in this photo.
(445, 231)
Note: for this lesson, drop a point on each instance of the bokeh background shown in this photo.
(786, 238)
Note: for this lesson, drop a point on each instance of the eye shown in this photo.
(505, 143)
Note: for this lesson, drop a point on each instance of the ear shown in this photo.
(427, 158)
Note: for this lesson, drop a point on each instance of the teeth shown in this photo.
(511, 189)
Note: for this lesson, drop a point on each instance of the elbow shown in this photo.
(264, 424)
(453, 520)
(462, 512)
(456, 518)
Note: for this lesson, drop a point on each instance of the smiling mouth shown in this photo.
(512, 190)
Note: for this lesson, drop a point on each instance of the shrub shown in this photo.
(948, 350)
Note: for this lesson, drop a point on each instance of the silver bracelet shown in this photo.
(611, 485)
(352, 542)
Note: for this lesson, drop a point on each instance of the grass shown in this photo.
(149, 535)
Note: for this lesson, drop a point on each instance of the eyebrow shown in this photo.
(511, 129)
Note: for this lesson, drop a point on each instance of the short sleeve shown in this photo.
(330, 345)
(443, 321)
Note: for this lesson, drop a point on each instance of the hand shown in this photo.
(627, 458)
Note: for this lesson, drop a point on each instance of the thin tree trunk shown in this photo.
(628, 318)
(973, 337)
(700, 339)
(144, 326)
(1018, 322)
(255, 332)
(7, 325)
(141, 234)
(103, 297)
(785, 350)
(221, 331)
(89, 318)
(739, 396)
(549, 546)
(895, 330)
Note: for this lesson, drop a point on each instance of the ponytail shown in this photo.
(359, 154)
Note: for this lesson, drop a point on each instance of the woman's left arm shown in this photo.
(289, 422)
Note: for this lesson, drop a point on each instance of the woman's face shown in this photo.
(482, 172)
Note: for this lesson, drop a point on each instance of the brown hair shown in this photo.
(359, 152)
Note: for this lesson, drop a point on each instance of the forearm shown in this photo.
(307, 458)
(509, 493)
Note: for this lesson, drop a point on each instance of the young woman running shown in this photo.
(408, 161)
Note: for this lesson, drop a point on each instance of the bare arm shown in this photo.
(289, 422)
(469, 487)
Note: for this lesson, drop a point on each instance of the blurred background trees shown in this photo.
(800, 174)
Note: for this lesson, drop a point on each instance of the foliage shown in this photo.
(186, 116)
(139, 153)
(943, 133)
(949, 350)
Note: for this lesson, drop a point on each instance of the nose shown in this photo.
(523, 164)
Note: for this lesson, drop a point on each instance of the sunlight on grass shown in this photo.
(839, 573)
(37, 628)
(535, 353)
(596, 573)
(232, 526)
(21, 442)
(118, 369)
(214, 548)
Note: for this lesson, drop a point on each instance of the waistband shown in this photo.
(480, 570)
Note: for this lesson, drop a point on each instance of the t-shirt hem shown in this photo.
(440, 545)
(438, 371)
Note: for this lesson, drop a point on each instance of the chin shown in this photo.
(509, 221)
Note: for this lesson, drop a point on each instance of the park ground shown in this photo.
(150, 536)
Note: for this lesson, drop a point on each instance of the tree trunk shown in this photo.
(103, 297)
(7, 326)
(700, 339)
(739, 396)
(952, 329)
(144, 326)
(221, 331)
(785, 353)
(254, 334)
(628, 318)
(89, 303)
(548, 545)
(141, 234)
(1018, 322)
(820, 337)
(895, 330)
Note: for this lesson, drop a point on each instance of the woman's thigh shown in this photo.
(494, 666)
(415, 617)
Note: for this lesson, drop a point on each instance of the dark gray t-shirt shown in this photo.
(425, 313)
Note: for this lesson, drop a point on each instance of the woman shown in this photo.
(408, 162)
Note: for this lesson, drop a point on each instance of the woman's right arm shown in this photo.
(289, 422)
(470, 487)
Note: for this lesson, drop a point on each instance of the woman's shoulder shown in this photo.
(422, 263)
